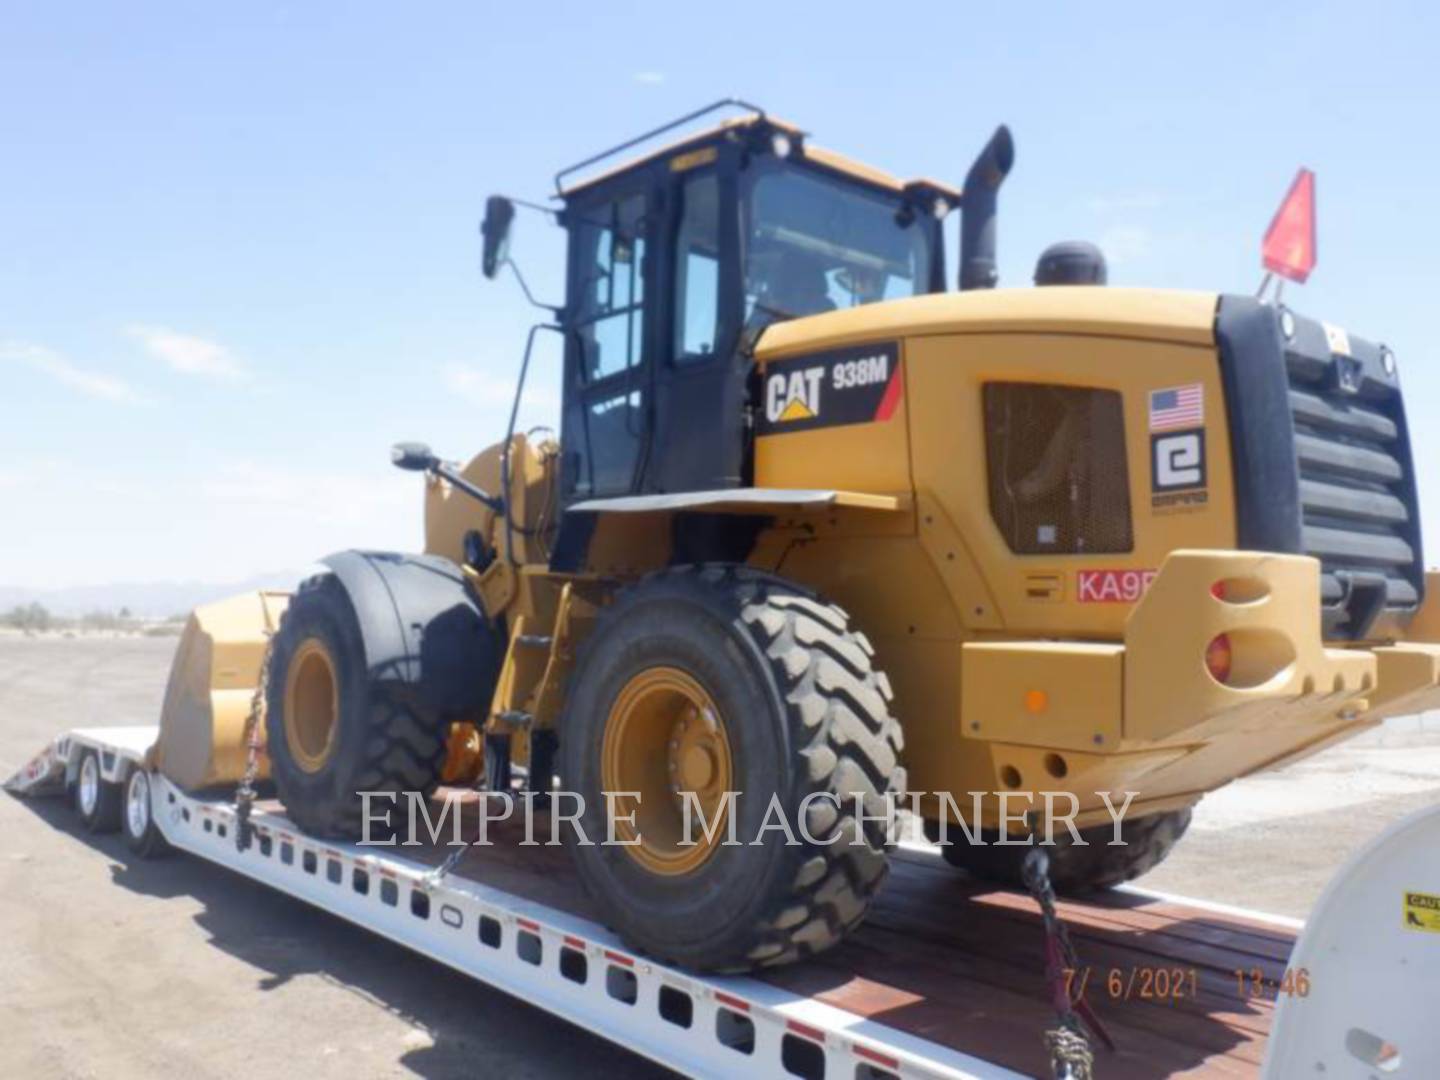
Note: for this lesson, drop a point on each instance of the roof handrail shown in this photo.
(723, 103)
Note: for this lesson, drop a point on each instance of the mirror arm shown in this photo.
(549, 211)
(525, 288)
(447, 472)
(510, 428)
(499, 212)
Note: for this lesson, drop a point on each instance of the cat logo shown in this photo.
(793, 395)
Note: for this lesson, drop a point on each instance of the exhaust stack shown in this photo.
(977, 211)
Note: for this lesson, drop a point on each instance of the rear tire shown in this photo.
(97, 800)
(803, 713)
(137, 821)
(331, 734)
(1073, 869)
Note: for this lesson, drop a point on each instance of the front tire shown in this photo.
(789, 711)
(331, 734)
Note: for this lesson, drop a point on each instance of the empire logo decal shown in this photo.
(1177, 471)
(858, 385)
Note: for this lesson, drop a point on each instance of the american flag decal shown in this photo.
(1177, 407)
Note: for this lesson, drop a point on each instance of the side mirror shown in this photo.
(417, 457)
(495, 232)
(412, 457)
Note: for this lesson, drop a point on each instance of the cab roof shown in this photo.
(759, 123)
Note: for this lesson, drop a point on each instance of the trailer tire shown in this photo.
(137, 822)
(802, 714)
(1074, 869)
(331, 733)
(97, 800)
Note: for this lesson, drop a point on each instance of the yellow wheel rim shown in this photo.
(665, 737)
(312, 705)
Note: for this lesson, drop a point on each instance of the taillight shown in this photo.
(1218, 658)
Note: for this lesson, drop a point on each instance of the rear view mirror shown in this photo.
(495, 233)
(412, 456)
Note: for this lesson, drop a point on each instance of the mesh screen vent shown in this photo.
(1059, 482)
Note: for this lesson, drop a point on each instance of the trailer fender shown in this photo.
(426, 634)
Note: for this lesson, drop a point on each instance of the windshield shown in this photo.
(813, 244)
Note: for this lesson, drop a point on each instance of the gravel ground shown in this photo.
(119, 968)
(1272, 842)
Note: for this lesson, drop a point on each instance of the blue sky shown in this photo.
(238, 254)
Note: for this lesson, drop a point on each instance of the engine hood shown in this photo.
(1155, 314)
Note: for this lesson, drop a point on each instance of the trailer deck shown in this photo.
(943, 980)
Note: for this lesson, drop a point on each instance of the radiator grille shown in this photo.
(1357, 497)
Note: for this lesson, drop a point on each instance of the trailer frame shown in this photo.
(701, 1025)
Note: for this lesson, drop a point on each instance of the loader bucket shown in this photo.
(212, 684)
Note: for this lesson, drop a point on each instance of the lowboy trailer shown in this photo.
(945, 979)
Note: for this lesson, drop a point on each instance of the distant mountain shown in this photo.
(157, 599)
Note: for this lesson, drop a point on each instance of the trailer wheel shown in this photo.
(97, 800)
(714, 679)
(137, 822)
(331, 734)
(1073, 868)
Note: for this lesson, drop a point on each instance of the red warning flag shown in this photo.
(1289, 248)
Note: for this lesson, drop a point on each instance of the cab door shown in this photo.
(700, 380)
(605, 429)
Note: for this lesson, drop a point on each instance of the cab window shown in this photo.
(814, 244)
(609, 320)
(697, 269)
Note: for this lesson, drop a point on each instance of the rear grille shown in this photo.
(1322, 462)
(1357, 494)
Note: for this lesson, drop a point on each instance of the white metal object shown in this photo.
(702, 1025)
(1371, 956)
(116, 749)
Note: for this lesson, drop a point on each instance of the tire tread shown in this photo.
(846, 741)
(402, 749)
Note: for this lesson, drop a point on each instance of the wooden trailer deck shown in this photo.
(961, 963)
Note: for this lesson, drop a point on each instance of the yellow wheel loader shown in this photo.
(820, 533)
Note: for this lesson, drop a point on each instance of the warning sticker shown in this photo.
(1337, 339)
(1422, 912)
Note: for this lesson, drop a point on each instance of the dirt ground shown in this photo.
(119, 968)
(116, 967)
